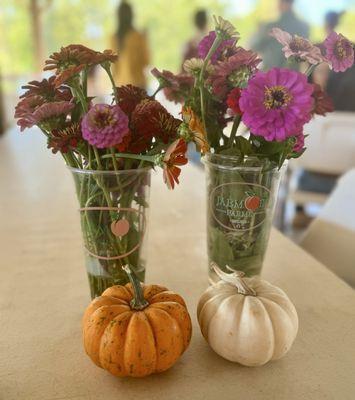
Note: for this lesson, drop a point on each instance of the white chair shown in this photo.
(331, 236)
(330, 150)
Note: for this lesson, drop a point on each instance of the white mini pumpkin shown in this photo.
(247, 320)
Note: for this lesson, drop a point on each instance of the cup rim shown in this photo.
(226, 157)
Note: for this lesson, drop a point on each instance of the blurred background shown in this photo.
(318, 188)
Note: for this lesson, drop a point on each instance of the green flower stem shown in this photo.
(85, 81)
(218, 40)
(310, 69)
(77, 92)
(236, 123)
(107, 68)
(160, 87)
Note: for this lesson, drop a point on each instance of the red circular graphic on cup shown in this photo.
(120, 227)
(252, 203)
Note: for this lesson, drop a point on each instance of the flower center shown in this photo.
(103, 119)
(240, 77)
(340, 49)
(276, 97)
(299, 44)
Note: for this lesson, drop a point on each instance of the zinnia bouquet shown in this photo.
(248, 122)
(110, 149)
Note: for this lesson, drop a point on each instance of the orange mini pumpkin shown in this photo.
(136, 330)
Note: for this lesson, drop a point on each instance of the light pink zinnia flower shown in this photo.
(233, 72)
(276, 104)
(105, 126)
(207, 42)
(297, 46)
(339, 52)
(31, 112)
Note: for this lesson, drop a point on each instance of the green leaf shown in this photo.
(219, 249)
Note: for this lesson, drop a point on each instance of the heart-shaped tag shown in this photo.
(120, 227)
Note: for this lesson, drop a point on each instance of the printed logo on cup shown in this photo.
(239, 206)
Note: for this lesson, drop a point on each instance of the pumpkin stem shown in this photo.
(138, 302)
(235, 279)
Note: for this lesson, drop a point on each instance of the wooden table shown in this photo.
(43, 292)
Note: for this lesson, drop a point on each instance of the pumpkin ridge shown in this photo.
(285, 309)
(124, 336)
(147, 311)
(176, 298)
(211, 300)
(150, 291)
(135, 315)
(108, 293)
(183, 310)
(99, 318)
(291, 316)
(272, 325)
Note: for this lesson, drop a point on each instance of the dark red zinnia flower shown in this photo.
(150, 119)
(129, 97)
(65, 139)
(174, 157)
(322, 101)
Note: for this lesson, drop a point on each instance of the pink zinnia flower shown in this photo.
(277, 103)
(299, 145)
(297, 46)
(234, 72)
(104, 126)
(339, 52)
(206, 43)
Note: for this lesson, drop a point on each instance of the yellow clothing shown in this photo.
(132, 59)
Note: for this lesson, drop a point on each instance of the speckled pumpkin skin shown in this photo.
(127, 342)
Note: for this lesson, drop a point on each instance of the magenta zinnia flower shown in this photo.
(206, 43)
(339, 52)
(105, 126)
(276, 104)
(297, 46)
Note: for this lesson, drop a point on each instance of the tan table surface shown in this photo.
(43, 292)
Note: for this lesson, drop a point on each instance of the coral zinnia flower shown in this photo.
(72, 59)
(129, 97)
(323, 103)
(207, 42)
(277, 103)
(233, 101)
(104, 126)
(47, 90)
(174, 157)
(199, 134)
(234, 72)
(339, 52)
(297, 46)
